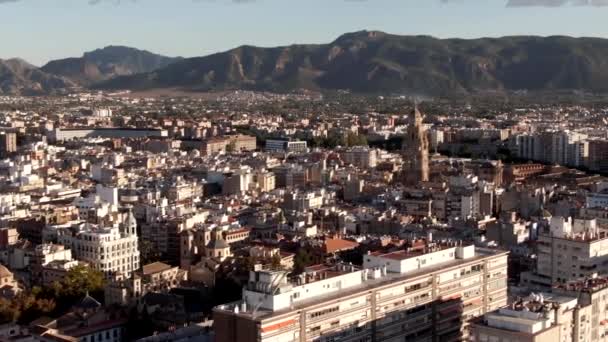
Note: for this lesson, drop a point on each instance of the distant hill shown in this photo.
(377, 62)
(107, 63)
(18, 77)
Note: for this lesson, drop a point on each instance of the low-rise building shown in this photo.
(286, 146)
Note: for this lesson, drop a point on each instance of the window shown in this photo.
(324, 312)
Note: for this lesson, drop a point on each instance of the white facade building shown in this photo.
(425, 293)
(102, 112)
(110, 250)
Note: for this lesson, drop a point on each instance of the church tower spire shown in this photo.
(416, 150)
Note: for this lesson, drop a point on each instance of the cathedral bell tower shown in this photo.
(415, 151)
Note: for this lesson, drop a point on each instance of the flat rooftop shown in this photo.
(587, 285)
(416, 251)
(480, 253)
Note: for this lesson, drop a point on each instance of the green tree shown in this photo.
(301, 260)
(9, 312)
(275, 262)
(231, 147)
(317, 142)
(79, 281)
(24, 307)
(354, 139)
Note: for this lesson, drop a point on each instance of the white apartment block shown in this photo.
(573, 311)
(591, 318)
(428, 292)
(102, 112)
(539, 318)
(556, 147)
(304, 200)
(570, 250)
(109, 250)
(61, 134)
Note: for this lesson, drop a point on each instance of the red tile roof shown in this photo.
(337, 245)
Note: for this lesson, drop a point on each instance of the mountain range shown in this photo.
(104, 64)
(17, 77)
(365, 62)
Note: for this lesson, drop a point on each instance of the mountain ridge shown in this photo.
(379, 62)
(18, 77)
(106, 63)
(362, 61)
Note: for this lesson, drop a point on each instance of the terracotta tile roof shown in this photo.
(337, 245)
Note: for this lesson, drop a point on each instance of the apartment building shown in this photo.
(538, 318)
(568, 250)
(183, 190)
(8, 143)
(107, 249)
(508, 231)
(417, 203)
(427, 292)
(287, 146)
(362, 157)
(238, 181)
(264, 180)
(61, 134)
(230, 143)
(43, 255)
(598, 155)
(304, 200)
(591, 319)
(555, 147)
(573, 311)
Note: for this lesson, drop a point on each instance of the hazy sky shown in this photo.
(40, 30)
